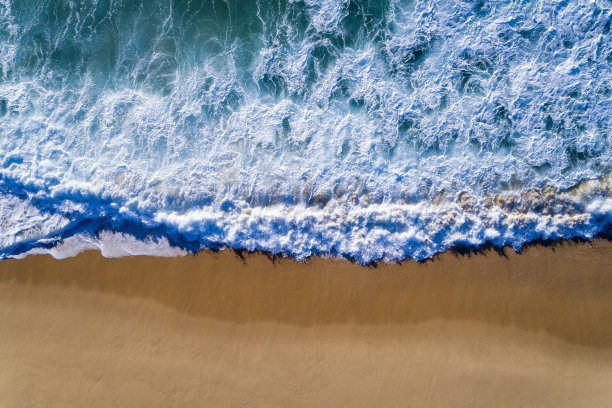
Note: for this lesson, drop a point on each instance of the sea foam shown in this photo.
(371, 130)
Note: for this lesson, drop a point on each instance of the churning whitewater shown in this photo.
(371, 130)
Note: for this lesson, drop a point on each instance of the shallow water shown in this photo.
(373, 130)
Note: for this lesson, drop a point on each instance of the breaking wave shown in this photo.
(371, 130)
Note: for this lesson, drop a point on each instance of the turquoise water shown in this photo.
(372, 130)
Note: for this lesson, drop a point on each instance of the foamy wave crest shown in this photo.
(373, 130)
(340, 228)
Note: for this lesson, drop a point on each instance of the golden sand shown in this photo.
(532, 330)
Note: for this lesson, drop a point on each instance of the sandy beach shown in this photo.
(216, 329)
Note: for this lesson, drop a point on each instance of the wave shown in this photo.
(339, 228)
(372, 130)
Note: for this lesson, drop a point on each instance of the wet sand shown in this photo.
(210, 330)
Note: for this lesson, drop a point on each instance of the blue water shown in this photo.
(371, 130)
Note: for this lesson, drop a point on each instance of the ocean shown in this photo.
(367, 130)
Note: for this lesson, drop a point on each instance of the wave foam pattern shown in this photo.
(373, 130)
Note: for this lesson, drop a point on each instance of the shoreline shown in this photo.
(458, 330)
(163, 249)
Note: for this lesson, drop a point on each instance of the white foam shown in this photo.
(334, 136)
(110, 244)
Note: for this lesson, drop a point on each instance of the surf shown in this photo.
(358, 129)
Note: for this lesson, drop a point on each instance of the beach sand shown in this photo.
(521, 330)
